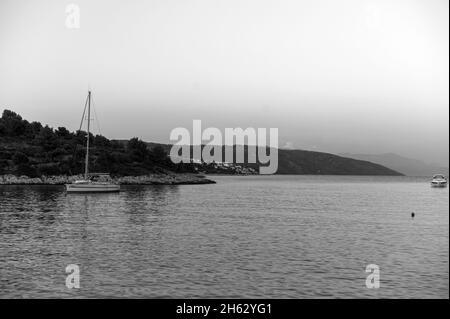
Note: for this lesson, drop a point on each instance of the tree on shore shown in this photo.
(33, 149)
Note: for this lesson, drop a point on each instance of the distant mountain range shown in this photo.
(404, 165)
(315, 163)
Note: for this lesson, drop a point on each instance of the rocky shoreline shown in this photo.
(152, 179)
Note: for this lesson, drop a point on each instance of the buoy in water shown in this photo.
(412, 215)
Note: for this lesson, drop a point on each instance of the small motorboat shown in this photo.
(439, 180)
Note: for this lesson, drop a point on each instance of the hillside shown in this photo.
(407, 166)
(308, 162)
(314, 163)
(33, 150)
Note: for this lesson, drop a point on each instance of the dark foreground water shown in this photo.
(277, 236)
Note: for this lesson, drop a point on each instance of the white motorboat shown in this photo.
(92, 182)
(439, 180)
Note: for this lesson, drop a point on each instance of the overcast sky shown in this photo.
(336, 76)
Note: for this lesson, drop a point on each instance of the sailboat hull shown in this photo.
(92, 188)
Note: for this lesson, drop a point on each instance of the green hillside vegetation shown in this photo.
(34, 150)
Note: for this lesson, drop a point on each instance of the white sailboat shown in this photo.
(92, 182)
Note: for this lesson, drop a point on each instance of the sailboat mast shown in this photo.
(86, 168)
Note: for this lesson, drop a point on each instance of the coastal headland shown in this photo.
(151, 179)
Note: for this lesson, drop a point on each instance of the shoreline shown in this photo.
(151, 179)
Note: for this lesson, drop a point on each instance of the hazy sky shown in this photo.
(336, 76)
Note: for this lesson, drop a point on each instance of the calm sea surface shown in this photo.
(275, 236)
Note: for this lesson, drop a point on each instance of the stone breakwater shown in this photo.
(152, 179)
